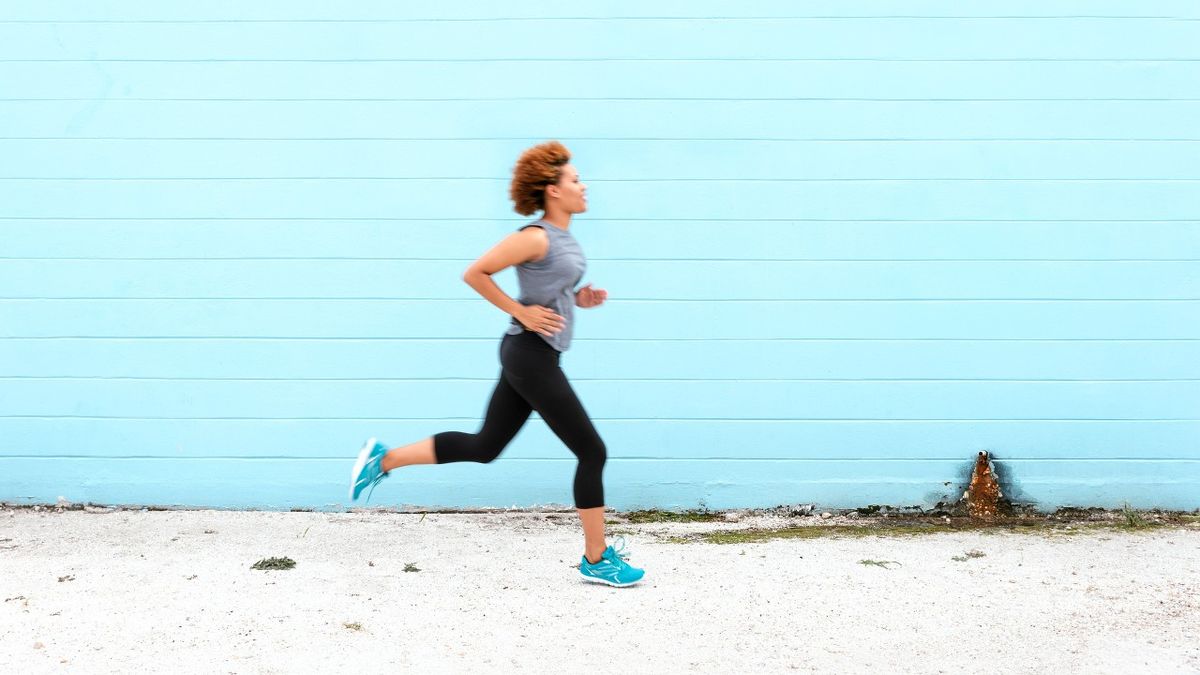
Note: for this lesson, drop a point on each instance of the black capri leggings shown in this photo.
(531, 379)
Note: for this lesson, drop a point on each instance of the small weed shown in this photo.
(69, 577)
(274, 564)
(973, 553)
(879, 563)
(661, 516)
(1132, 517)
(353, 625)
(411, 567)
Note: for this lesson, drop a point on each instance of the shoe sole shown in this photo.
(598, 580)
(359, 464)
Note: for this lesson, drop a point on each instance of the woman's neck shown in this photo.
(560, 220)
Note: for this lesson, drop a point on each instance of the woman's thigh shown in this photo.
(506, 413)
(550, 393)
(531, 367)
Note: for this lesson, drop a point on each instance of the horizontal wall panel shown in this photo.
(696, 440)
(384, 10)
(631, 280)
(844, 319)
(695, 399)
(767, 38)
(607, 160)
(613, 358)
(629, 484)
(605, 79)
(668, 198)
(646, 120)
(465, 240)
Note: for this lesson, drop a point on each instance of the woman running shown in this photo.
(549, 263)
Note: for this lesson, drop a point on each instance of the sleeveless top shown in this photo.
(550, 282)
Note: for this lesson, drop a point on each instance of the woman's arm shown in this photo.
(529, 244)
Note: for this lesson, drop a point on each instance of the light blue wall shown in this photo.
(847, 246)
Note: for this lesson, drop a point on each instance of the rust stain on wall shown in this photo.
(983, 494)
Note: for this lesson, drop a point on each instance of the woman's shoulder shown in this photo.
(537, 223)
(536, 230)
(540, 235)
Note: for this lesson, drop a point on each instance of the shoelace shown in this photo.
(620, 559)
(374, 481)
(624, 557)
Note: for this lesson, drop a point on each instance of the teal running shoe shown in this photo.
(613, 568)
(367, 469)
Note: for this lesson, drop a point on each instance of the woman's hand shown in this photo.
(590, 297)
(540, 319)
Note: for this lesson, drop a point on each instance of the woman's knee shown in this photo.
(478, 448)
(487, 451)
(453, 446)
(595, 452)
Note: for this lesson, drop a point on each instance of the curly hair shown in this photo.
(538, 167)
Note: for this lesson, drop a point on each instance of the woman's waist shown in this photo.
(530, 339)
(526, 331)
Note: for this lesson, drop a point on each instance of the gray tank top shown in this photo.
(550, 282)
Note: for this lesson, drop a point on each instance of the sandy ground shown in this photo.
(173, 591)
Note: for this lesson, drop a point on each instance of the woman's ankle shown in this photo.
(387, 463)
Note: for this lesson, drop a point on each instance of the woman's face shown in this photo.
(570, 192)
